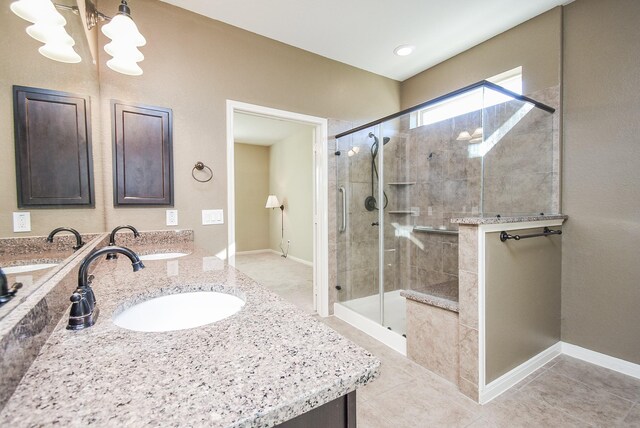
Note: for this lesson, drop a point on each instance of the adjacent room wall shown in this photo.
(193, 65)
(251, 190)
(291, 180)
(601, 195)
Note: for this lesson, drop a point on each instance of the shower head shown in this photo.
(385, 140)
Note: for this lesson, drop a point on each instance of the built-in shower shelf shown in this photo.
(402, 183)
(400, 212)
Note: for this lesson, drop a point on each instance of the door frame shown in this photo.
(320, 193)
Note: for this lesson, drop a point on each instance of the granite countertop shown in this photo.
(443, 295)
(262, 366)
(500, 220)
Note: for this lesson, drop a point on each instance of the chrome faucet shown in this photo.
(112, 238)
(79, 242)
(84, 311)
(7, 293)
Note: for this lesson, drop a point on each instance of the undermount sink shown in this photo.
(162, 256)
(27, 268)
(179, 311)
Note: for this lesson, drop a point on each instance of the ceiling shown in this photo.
(264, 131)
(364, 33)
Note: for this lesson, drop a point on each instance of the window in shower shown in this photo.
(469, 102)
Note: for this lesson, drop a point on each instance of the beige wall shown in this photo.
(291, 180)
(535, 45)
(522, 299)
(192, 65)
(23, 65)
(251, 190)
(601, 179)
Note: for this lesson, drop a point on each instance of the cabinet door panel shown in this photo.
(143, 164)
(53, 148)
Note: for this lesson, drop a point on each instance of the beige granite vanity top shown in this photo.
(500, 220)
(262, 366)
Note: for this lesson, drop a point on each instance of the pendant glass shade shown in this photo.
(464, 136)
(123, 51)
(272, 202)
(38, 11)
(50, 34)
(122, 28)
(60, 52)
(125, 67)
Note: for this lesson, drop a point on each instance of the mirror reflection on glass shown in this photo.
(25, 256)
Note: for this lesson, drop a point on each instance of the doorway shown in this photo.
(319, 150)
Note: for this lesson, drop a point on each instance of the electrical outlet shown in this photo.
(429, 211)
(212, 217)
(173, 268)
(172, 217)
(22, 221)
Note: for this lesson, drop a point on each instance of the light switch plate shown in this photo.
(22, 221)
(172, 217)
(212, 217)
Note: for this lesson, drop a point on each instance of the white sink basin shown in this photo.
(179, 311)
(162, 256)
(27, 268)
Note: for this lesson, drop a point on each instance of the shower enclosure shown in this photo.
(479, 151)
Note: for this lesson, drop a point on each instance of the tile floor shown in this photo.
(565, 393)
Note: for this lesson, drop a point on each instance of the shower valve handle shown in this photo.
(375, 223)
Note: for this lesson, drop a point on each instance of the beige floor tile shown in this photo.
(599, 378)
(369, 416)
(633, 418)
(413, 404)
(525, 409)
(577, 399)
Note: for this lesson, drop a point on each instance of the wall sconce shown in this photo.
(48, 28)
(272, 202)
(474, 138)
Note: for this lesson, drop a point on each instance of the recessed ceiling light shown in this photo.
(404, 50)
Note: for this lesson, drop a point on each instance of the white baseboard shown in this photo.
(612, 363)
(266, 250)
(290, 257)
(511, 378)
(373, 329)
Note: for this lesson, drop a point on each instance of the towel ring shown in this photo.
(200, 166)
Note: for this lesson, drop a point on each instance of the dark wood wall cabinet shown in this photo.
(142, 155)
(54, 164)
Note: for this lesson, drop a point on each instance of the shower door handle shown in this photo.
(343, 193)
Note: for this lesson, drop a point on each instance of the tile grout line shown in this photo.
(633, 402)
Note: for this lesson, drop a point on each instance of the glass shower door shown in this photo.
(358, 219)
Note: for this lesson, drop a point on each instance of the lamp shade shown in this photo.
(38, 11)
(50, 34)
(124, 66)
(122, 28)
(60, 52)
(272, 202)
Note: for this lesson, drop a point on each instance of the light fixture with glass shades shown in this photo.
(272, 202)
(48, 28)
(125, 40)
(474, 138)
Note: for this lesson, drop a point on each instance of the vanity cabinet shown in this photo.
(53, 148)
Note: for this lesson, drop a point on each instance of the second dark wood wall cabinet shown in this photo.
(142, 155)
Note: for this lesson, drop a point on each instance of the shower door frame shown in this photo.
(320, 193)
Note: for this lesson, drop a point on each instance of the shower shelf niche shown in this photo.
(400, 212)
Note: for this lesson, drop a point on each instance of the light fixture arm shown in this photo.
(93, 15)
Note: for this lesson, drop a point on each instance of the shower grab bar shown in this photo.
(343, 192)
(545, 232)
(427, 229)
